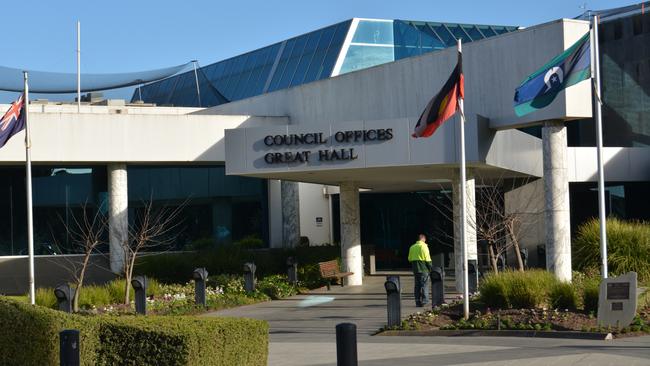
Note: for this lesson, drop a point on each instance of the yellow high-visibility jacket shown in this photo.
(419, 257)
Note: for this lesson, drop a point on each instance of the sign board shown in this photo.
(617, 300)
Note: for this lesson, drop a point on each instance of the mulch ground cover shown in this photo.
(451, 318)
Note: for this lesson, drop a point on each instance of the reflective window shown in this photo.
(372, 31)
(316, 64)
(362, 57)
(473, 32)
(444, 34)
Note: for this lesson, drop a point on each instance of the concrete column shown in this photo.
(556, 193)
(118, 214)
(351, 233)
(290, 214)
(222, 221)
(470, 232)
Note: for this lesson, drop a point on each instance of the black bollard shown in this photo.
(393, 300)
(200, 276)
(69, 347)
(292, 270)
(472, 277)
(437, 286)
(249, 277)
(346, 345)
(64, 295)
(139, 284)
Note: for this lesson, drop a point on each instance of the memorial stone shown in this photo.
(617, 300)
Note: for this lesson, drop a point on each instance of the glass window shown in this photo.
(321, 50)
(444, 34)
(375, 32)
(362, 57)
(292, 62)
(473, 32)
(277, 75)
(334, 50)
(458, 32)
(305, 59)
(487, 30)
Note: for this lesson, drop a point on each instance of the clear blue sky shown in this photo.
(121, 36)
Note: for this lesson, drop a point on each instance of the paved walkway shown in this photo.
(302, 333)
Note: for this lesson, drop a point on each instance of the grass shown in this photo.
(516, 289)
(628, 246)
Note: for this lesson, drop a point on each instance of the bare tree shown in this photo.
(152, 228)
(501, 230)
(86, 232)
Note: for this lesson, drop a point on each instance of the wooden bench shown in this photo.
(330, 270)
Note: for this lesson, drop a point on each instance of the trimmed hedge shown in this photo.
(228, 259)
(30, 336)
(515, 289)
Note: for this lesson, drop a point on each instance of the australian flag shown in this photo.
(540, 88)
(13, 120)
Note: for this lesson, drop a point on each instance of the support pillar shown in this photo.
(556, 192)
(351, 233)
(470, 232)
(289, 192)
(118, 215)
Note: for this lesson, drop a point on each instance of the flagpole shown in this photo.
(78, 66)
(595, 74)
(463, 197)
(30, 218)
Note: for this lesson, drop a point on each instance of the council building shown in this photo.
(308, 142)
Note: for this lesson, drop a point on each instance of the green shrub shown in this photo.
(30, 337)
(250, 242)
(590, 291)
(516, 289)
(628, 247)
(563, 296)
(45, 297)
(276, 287)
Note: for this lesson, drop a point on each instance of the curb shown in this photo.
(499, 333)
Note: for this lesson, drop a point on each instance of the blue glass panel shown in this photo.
(292, 62)
(458, 32)
(362, 57)
(319, 55)
(500, 30)
(372, 31)
(305, 59)
(277, 75)
(473, 32)
(407, 40)
(444, 34)
(334, 50)
(487, 31)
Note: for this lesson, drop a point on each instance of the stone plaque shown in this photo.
(618, 291)
(617, 300)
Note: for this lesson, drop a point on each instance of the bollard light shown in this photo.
(139, 284)
(472, 278)
(292, 270)
(437, 286)
(393, 300)
(200, 276)
(249, 276)
(64, 295)
(69, 347)
(346, 345)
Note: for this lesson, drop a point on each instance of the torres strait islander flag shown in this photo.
(566, 69)
(444, 104)
(13, 120)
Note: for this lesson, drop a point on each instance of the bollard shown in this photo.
(139, 284)
(346, 345)
(472, 278)
(292, 270)
(64, 295)
(69, 347)
(393, 300)
(200, 276)
(437, 286)
(249, 277)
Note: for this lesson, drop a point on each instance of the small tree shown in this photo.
(86, 232)
(152, 228)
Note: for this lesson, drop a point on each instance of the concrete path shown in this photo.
(302, 333)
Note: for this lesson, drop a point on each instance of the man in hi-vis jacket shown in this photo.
(420, 260)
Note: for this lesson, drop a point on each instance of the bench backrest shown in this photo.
(329, 268)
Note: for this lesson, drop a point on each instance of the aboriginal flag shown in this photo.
(444, 104)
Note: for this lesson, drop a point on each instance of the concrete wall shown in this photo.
(144, 134)
(527, 202)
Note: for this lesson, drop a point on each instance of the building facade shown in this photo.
(344, 169)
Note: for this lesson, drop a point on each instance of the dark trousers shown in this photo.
(421, 289)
